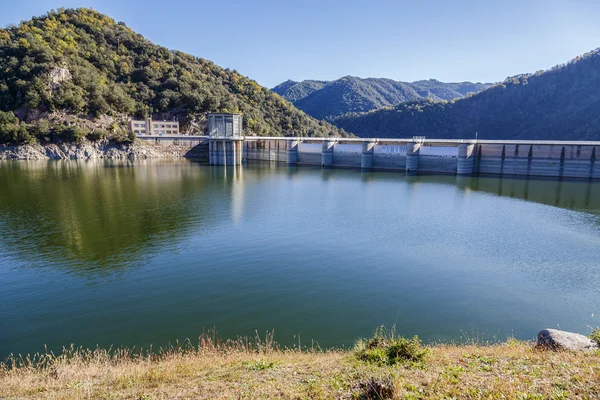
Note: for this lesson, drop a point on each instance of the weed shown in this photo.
(259, 365)
(376, 389)
(386, 347)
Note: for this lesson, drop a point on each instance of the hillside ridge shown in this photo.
(559, 104)
(82, 64)
(330, 99)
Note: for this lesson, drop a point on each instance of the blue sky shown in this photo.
(271, 41)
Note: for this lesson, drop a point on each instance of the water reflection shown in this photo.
(102, 216)
(96, 216)
(147, 252)
(574, 195)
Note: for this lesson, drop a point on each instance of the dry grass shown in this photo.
(259, 370)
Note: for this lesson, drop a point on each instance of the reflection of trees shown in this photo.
(574, 195)
(97, 217)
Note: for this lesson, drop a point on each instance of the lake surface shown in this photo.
(151, 252)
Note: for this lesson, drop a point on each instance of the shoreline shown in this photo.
(258, 368)
(97, 150)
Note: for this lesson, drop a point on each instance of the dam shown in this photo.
(557, 159)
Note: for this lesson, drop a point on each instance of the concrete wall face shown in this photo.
(192, 148)
(551, 160)
(537, 160)
(347, 155)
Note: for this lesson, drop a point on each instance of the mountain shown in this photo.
(293, 91)
(560, 104)
(327, 100)
(81, 64)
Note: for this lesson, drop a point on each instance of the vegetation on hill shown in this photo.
(293, 91)
(81, 63)
(378, 368)
(559, 104)
(327, 100)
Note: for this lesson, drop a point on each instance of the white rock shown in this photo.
(560, 340)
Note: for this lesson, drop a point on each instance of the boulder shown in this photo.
(554, 339)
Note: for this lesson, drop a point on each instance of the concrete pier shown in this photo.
(412, 157)
(465, 159)
(225, 152)
(327, 153)
(366, 158)
(292, 152)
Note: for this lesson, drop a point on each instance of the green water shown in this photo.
(151, 252)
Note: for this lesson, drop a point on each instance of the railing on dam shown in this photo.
(572, 159)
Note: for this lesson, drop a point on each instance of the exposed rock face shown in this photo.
(94, 150)
(58, 75)
(560, 340)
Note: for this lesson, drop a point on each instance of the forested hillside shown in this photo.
(327, 100)
(562, 103)
(78, 62)
(293, 91)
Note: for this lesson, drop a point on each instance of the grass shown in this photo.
(259, 369)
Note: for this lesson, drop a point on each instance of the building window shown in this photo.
(136, 131)
(155, 126)
(143, 131)
(143, 124)
(136, 125)
(162, 132)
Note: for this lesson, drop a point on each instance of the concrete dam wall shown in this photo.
(520, 158)
(196, 147)
(429, 156)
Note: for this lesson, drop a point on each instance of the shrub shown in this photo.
(98, 134)
(70, 133)
(387, 348)
(40, 129)
(595, 336)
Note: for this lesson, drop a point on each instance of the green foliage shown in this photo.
(71, 133)
(259, 365)
(560, 104)
(595, 336)
(327, 100)
(293, 91)
(11, 131)
(387, 348)
(113, 70)
(98, 134)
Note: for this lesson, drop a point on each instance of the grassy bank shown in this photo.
(381, 367)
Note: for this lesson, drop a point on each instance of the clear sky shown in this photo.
(275, 40)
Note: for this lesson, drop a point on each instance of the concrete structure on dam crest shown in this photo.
(418, 155)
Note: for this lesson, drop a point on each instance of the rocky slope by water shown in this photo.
(89, 150)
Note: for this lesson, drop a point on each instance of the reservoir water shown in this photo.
(152, 252)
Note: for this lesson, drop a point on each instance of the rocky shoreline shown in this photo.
(104, 149)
